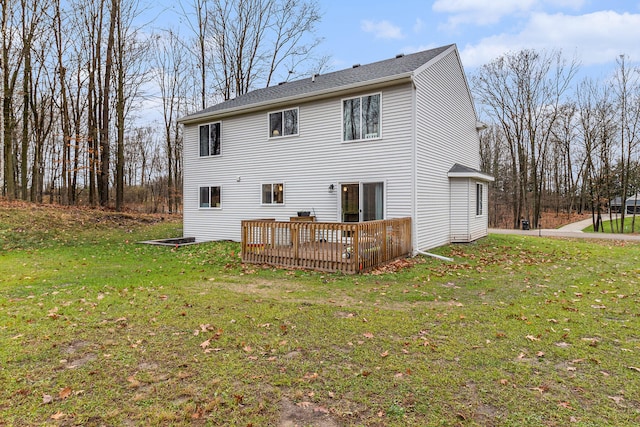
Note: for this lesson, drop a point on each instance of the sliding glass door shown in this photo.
(362, 201)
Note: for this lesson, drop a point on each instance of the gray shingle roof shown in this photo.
(458, 170)
(326, 82)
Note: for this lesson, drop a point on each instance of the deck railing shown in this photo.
(347, 247)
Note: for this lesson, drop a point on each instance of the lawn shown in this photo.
(615, 225)
(96, 329)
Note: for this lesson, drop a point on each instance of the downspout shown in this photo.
(414, 166)
(443, 258)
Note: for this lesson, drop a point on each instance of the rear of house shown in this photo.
(377, 141)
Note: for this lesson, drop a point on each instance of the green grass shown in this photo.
(614, 226)
(518, 331)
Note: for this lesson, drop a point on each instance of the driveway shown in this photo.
(573, 230)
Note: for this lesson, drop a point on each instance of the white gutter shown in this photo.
(443, 258)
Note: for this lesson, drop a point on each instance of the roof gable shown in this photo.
(360, 75)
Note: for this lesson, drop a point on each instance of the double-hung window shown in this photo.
(361, 118)
(273, 194)
(479, 198)
(210, 197)
(283, 123)
(210, 139)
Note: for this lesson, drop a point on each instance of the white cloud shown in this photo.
(382, 29)
(596, 38)
(480, 13)
(490, 12)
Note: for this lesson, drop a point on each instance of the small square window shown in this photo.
(210, 197)
(273, 194)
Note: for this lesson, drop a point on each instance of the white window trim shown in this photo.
(282, 112)
(209, 207)
(480, 203)
(342, 119)
(284, 193)
(219, 123)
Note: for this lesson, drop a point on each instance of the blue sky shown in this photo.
(596, 31)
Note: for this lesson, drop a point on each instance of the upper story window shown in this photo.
(361, 118)
(210, 139)
(273, 194)
(283, 123)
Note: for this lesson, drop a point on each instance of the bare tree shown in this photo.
(131, 55)
(10, 68)
(522, 92)
(597, 128)
(627, 89)
(171, 69)
(257, 39)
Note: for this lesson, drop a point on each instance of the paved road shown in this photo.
(573, 230)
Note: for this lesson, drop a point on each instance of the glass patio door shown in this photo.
(362, 201)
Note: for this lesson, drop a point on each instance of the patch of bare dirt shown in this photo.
(305, 414)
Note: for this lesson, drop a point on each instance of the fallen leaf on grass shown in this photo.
(532, 338)
(384, 354)
(617, 399)
(543, 388)
(367, 335)
(64, 393)
(58, 415)
(310, 376)
(133, 382)
(304, 404)
(46, 399)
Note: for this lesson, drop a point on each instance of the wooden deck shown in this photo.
(327, 246)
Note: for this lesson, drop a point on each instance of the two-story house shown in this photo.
(395, 138)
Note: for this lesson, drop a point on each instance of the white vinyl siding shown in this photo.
(479, 224)
(307, 164)
(424, 128)
(460, 211)
(445, 134)
(466, 226)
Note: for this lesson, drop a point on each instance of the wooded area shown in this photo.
(555, 143)
(79, 79)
